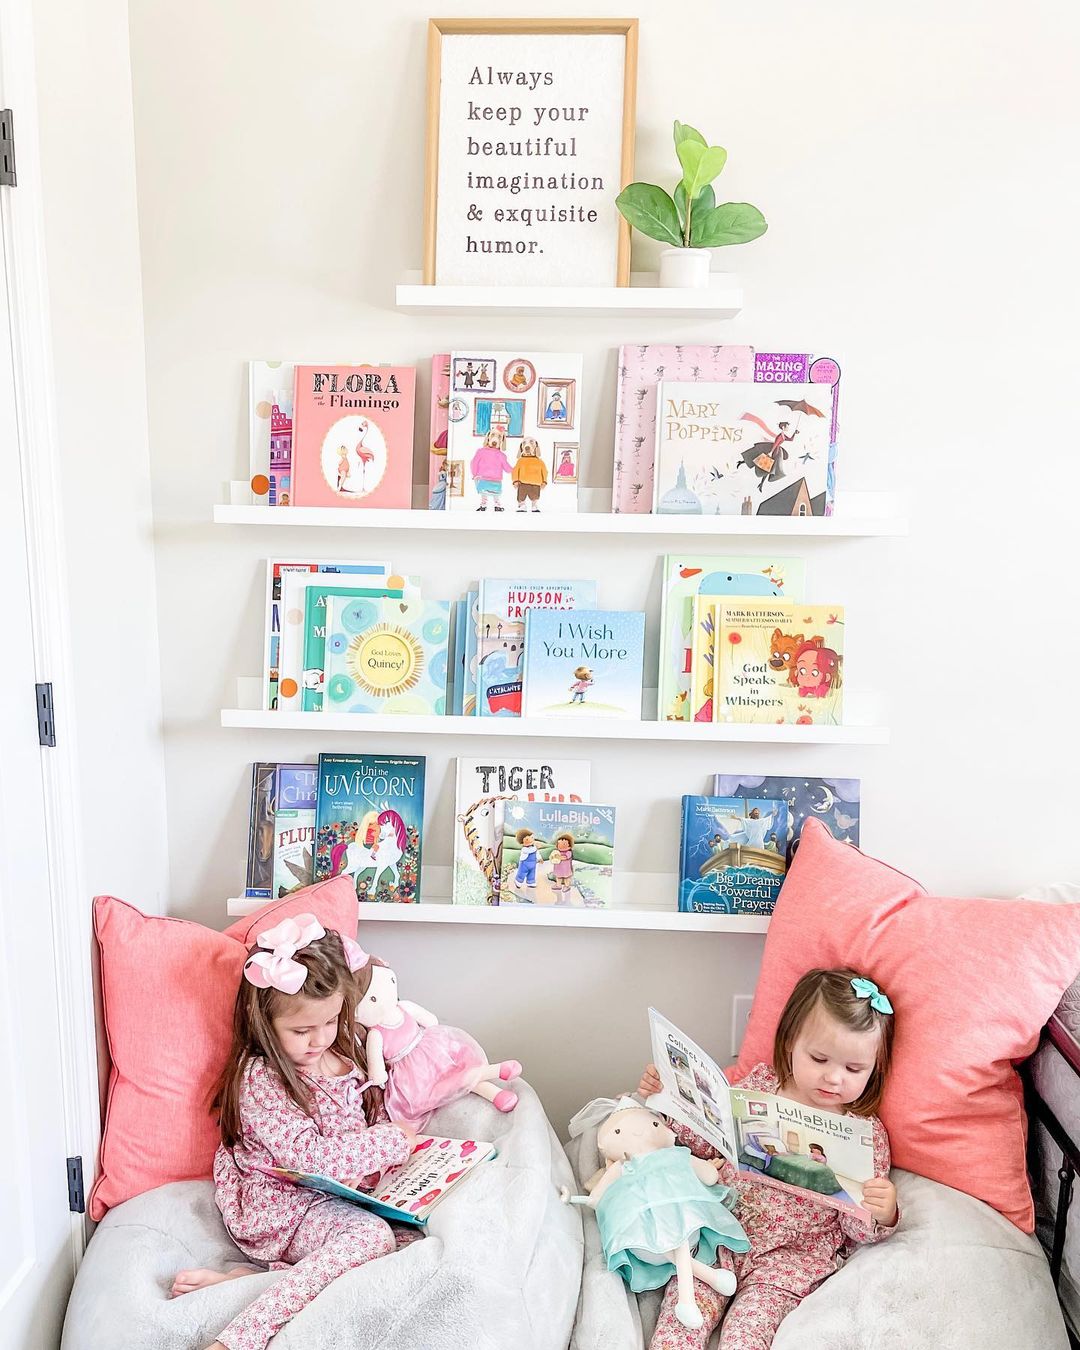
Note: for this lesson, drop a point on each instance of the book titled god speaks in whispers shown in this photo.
(778, 661)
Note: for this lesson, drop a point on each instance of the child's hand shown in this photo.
(410, 1134)
(650, 1082)
(879, 1197)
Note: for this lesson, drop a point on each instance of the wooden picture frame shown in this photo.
(556, 101)
(562, 392)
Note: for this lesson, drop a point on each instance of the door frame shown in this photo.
(22, 237)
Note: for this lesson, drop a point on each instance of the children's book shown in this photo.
(406, 1194)
(370, 824)
(641, 368)
(353, 436)
(276, 570)
(703, 658)
(458, 616)
(270, 428)
(833, 801)
(500, 634)
(281, 835)
(557, 853)
(779, 662)
(585, 663)
(821, 1155)
(484, 786)
(386, 656)
(745, 449)
(514, 433)
(732, 858)
(439, 431)
(314, 598)
(686, 575)
(470, 673)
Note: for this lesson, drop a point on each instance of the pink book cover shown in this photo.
(439, 431)
(353, 436)
(641, 369)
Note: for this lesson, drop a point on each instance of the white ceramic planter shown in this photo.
(685, 267)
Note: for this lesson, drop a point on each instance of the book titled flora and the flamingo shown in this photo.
(484, 787)
(819, 1155)
(584, 663)
(558, 853)
(777, 661)
(370, 824)
(352, 440)
(746, 449)
(512, 435)
(686, 576)
(733, 854)
(387, 655)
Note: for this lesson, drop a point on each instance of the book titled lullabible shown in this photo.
(779, 662)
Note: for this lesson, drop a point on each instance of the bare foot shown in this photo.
(189, 1280)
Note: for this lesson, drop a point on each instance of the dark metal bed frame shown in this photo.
(1068, 1048)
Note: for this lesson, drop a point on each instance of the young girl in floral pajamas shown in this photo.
(832, 1051)
(293, 1095)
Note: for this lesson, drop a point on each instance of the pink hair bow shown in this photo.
(275, 968)
(354, 954)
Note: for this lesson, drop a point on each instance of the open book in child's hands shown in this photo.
(822, 1156)
(406, 1194)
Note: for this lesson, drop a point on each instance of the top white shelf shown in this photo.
(721, 299)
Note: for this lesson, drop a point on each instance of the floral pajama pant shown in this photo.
(333, 1237)
(752, 1319)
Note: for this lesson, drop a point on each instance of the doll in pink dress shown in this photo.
(420, 1064)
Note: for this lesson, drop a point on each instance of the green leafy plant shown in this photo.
(690, 217)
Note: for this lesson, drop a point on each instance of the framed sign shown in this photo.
(530, 138)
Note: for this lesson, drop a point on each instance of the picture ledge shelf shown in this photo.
(858, 515)
(721, 299)
(544, 916)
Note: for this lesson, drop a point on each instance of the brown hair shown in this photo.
(524, 833)
(254, 1037)
(832, 991)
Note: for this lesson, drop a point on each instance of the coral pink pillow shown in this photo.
(972, 982)
(167, 990)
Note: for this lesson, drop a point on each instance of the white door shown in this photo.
(36, 1252)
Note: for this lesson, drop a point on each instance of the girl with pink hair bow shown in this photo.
(294, 1094)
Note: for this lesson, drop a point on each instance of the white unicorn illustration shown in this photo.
(384, 856)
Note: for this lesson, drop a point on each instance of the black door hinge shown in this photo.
(46, 720)
(7, 149)
(76, 1198)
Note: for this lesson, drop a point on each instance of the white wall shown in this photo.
(914, 164)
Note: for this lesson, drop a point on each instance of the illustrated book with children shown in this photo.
(484, 787)
(821, 1155)
(270, 427)
(732, 858)
(370, 823)
(585, 663)
(779, 662)
(386, 655)
(558, 853)
(833, 801)
(406, 1194)
(281, 835)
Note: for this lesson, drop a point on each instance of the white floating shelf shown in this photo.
(858, 515)
(544, 916)
(560, 728)
(721, 299)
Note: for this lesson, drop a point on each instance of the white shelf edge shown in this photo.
(523, 728)
(544, 916)
(860, 515)
(722, 298)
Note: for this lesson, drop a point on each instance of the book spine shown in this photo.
(687, 803)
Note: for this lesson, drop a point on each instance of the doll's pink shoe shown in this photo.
(509, 1068)
(504, 1100)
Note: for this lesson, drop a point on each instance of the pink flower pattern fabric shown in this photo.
(794, 1245)
(286, 1226)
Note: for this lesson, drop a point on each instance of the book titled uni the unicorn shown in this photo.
(370, 824)
(778, 661)
(386, 655)
(353, 436)
(584, 663)
(484, 786)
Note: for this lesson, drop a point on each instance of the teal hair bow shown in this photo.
(868, 989)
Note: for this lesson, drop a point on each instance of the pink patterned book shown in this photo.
(439, 429)
(353, 436)
(641, 369)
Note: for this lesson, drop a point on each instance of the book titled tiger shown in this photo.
(370, 824)
(281, 835)
(484, 786)
(732, 858)
(353, 436)
(406, 1194)
(558, 853)
(778, 661)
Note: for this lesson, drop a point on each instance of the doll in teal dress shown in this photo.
(660, 1210)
